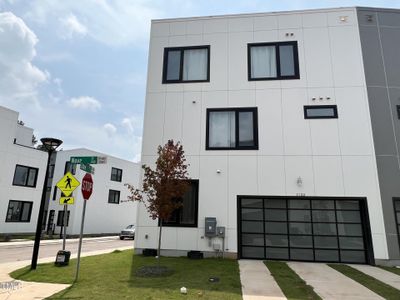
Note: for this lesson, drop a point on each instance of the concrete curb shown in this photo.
(18, 290)
(55, 241)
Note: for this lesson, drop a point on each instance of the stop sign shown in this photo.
(87, 186)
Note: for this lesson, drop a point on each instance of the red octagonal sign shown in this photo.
(87, 186)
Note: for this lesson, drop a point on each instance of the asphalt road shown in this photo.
(23, 251)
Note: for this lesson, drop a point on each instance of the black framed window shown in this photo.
(320, 112)
(273, 61)
(70, 167)
(398, 111)
(19, 211)
(25, 176)
(186, 215)
(116, 174)
(396, 205)
(186, 64)
(55, 193)
(113, 196)
(60, 218)
(232, 129)
(51, 171)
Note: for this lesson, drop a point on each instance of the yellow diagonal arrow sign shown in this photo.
(66, 200)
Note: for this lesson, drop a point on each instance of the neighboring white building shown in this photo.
(290, 124)
(21, 175)
(106, 210)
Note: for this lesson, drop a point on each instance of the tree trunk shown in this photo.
(159, 244)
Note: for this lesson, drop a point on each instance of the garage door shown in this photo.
(305, 229)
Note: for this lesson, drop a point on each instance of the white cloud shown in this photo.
(19, 78)
(71, 27)
(85, 102)
(110, 129)
(132, 124)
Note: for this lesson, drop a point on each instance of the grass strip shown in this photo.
(371, 283)
(391, 269)
(113, 276)
(290, 283)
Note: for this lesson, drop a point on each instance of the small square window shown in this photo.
(273, 61)
(19, 211)
(186, 64)
(25, 176)
(113, 196)
(116, 174)
(320, 112)
(232, 129)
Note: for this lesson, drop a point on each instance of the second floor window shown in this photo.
(113, 196)
(186, 64)
(19, 211)
(232, 129)
(116, 174)
(25, 176)
(269, 61)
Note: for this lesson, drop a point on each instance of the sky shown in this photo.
(76, 69)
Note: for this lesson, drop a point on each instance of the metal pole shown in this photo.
(80, 241)
(35, 252)
(65, 224)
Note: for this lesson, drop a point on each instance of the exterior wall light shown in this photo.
(299, 182)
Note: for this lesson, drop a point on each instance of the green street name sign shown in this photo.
(87, 168)
(88, 160)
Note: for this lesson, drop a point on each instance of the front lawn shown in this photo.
(112, 276)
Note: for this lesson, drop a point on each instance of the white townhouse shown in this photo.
(290, 124)
(21, 175)
(107, 211)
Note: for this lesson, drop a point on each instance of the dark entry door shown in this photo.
(304, 228)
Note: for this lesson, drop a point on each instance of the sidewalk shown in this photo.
(24, 290)
(55, 241)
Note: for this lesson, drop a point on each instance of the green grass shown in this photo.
(290, 283)
(391, 269)
(112, 276)
(379, 287)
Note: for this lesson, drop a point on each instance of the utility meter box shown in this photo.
(221, 232)
(210, 227)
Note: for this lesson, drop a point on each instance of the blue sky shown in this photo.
(76, 70)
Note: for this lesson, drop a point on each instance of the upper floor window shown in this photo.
(186, 64)
(70, 167)
(320, 112)
(232, 129)
(113, 196)
(269, 61)
(19, 211)
(25, 176)
(116, 174)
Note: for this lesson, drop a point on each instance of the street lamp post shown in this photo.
(50, 145)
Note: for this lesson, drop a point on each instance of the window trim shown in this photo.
(19, 221)
(334, 107)
(181, 49)
(278, 65)
(195, 182)
(27, 177)
(119, 196)
(120, 177)
(236, 110)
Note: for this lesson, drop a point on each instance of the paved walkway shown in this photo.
(257, 282)
(331, 284)
(380, 274)
(24, 290)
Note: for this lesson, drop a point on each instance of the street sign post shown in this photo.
(68, 184)
(87, 168)
(87, 189)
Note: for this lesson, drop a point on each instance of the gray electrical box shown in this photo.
(221, 232)
(210, 227)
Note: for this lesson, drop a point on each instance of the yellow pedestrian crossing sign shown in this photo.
(68, 184)
(66, 200)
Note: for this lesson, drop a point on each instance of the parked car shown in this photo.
(128, 232)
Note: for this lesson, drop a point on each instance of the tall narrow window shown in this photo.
(231, 128)
(116, 174)
(60, 218)
(396, 205)
(186, 64)
(25, 176)
(398, 111)
(268, 61)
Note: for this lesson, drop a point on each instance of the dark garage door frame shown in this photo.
(364, 216)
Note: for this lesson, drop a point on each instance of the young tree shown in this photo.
(163, 188)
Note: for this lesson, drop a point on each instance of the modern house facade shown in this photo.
(21, 176)
(290, 124)
(107, 210)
